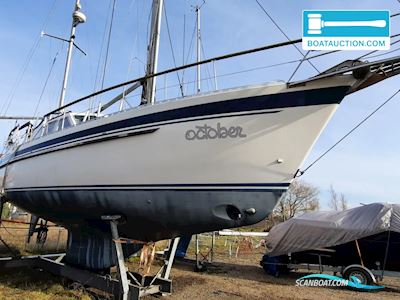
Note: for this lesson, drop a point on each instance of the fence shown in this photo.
(14, 239)
(234, 248)
(209, 247)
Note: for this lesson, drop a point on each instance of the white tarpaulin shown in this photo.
(326, 229)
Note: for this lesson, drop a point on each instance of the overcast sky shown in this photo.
(364, 168)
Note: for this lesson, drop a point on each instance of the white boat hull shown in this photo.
(176, 173)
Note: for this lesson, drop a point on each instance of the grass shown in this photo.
(33, 284)
(21, 284)
(36, 285)
(15, 235)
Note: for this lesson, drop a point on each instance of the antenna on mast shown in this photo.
(78, 17)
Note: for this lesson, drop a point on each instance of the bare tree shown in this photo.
(273, 219)
(301, 197)
(337, 201)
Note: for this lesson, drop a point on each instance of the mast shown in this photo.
(77, 18)
(149, 87)
(198, 48)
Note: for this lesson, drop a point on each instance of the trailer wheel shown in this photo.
(360, 273)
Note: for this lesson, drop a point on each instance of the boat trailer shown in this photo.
(128, 286)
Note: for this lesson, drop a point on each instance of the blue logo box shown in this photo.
(346, 23)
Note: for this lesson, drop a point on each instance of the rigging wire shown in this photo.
(322, 54)
(283, 32)
(131, 60)
(45, 83)
(255, 68)
(299, 65)
(108, 43)
(96, 81)
(184, 39)
(374, 51)
(383, 54)
(300, 173)
(7, 103)
(207, 69)
(141, 79)
(14, 88)
(88, 46)
(190, 65)
(227, 74)
(358, 58)
(172, 47)
(189, 53)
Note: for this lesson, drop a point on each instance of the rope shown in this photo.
(300, 173)
(172, 48)
(281, 30)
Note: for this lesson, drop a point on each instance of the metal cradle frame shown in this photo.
(129, 286)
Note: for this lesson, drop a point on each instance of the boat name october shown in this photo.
(207, 132)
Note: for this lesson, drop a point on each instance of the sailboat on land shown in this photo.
(195, 164)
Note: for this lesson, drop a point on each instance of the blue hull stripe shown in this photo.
(132, 132)
(266, 190)
(275, 101)
(159, 186)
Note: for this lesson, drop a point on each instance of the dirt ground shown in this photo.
(230, 277)
(238, 280)
(247, 280)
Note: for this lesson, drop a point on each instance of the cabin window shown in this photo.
(37, 132)
(67, 122)
(52, 126)
(60, 124)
